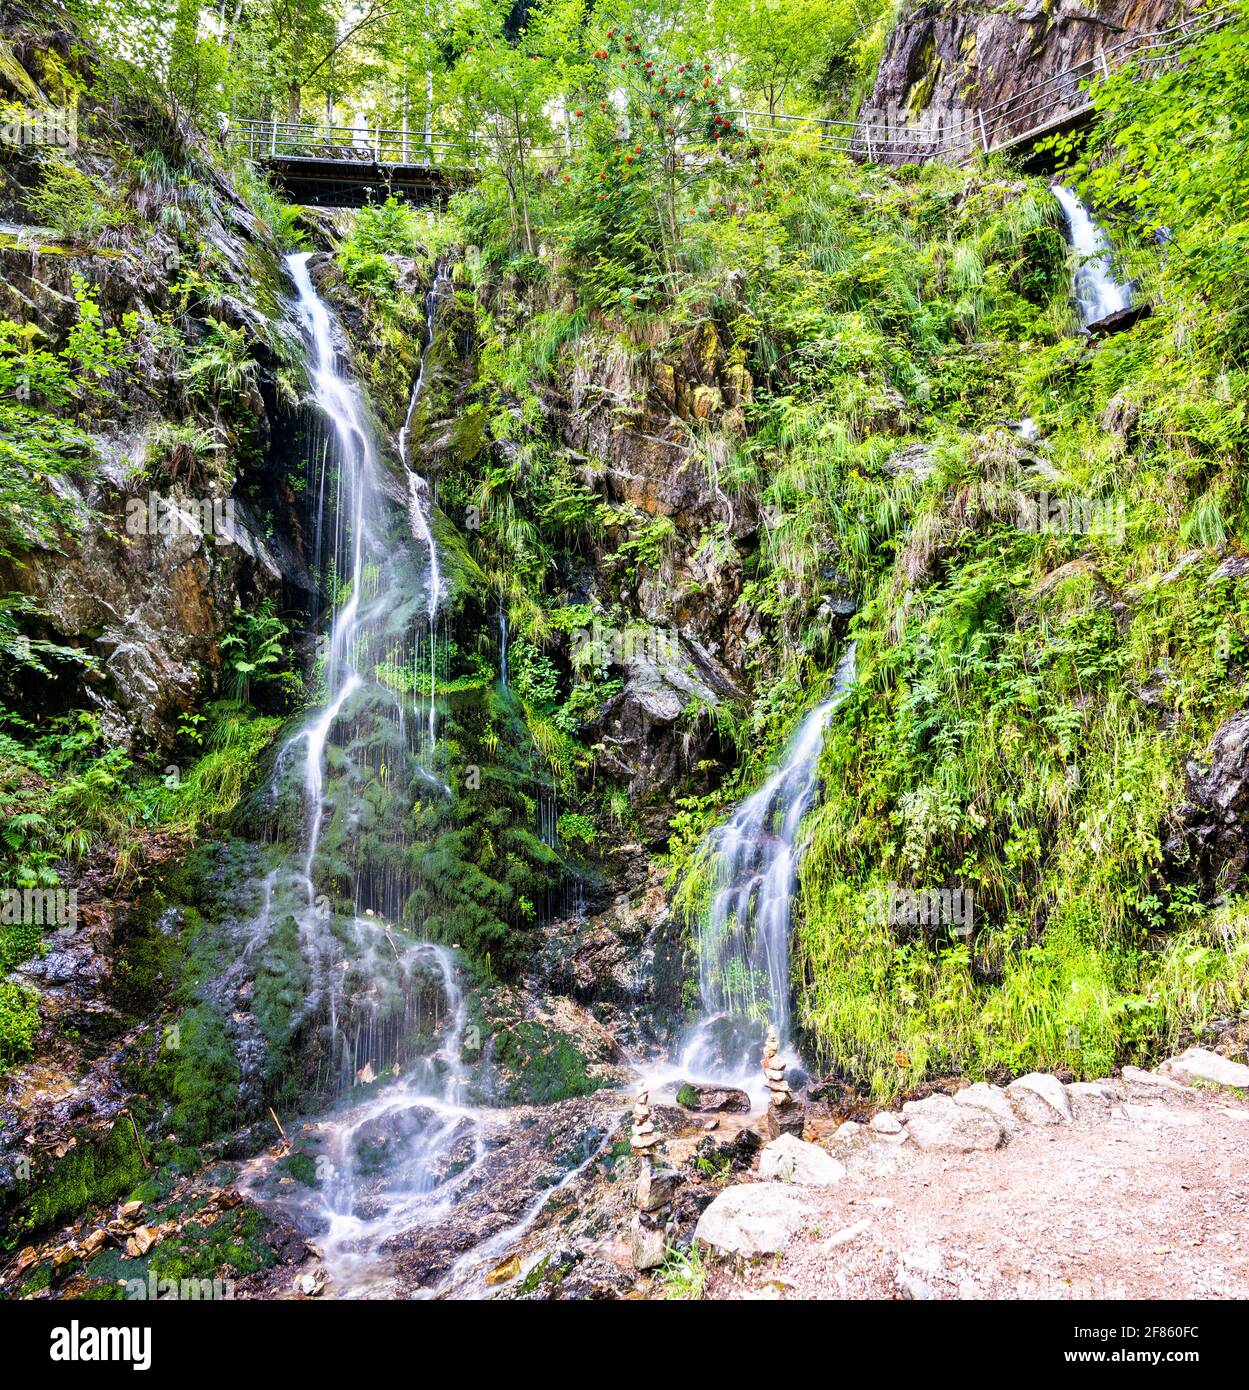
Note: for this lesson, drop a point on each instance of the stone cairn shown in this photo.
(656, 1186)
(785, 1115)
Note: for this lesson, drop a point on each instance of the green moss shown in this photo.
(302, 1167)
(546, 1064)
(19, 1022)
(89, 1175)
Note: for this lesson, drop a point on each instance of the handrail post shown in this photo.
(984, 134)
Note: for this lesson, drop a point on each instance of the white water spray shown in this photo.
(1098, 294)
(743, 943)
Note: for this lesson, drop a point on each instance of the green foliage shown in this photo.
(77, 205)
(683, 1276)
(254, 653)
(19, 1018)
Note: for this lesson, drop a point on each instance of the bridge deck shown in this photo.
(342, 166)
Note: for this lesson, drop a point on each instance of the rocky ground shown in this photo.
(1134, 1187)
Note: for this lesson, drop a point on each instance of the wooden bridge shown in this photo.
(347, 166)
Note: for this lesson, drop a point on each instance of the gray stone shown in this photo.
(1151, 1081)
(649, 1244)
(992, 1100)
(791, 1160)
(937, 1123)
(886, 1123)
(752, 1219)
(656, 1186)
(1040, 1098)
(1199, 1065)
(1092, 1099)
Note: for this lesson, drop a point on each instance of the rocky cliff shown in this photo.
(961, 54)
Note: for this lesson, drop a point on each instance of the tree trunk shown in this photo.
(294, 103)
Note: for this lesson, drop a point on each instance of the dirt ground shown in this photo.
(1149, 1201)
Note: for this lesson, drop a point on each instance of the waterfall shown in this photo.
(419, 500)
(743, 938)
(1098, 294)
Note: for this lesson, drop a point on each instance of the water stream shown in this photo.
(1098, 294)
(743, 939)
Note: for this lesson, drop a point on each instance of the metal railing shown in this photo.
(308, 140)
(956, 135)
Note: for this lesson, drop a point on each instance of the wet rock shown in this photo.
(1199, 1065)
(752, 1219)
(656, 1186)
(1213, 843)
(790, 1160)
(736, 1152)
(649, 1246)
(1120, 321)
(939, 1123)
(504, 1272)
(694, 1095)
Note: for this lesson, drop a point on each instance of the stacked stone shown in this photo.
(656, 1186)
(785, 1115)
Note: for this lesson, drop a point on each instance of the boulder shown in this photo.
(752, 1219)
(1199, 1065)
(1040, 1098)
(992, 1100)
(940, 1124)
(649, 1246)
(791, 1160)
(656, 1187)
(694, 1095)
(1092, 1099)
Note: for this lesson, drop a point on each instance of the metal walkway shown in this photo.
(345, 166)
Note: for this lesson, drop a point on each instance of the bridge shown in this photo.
(347, 166)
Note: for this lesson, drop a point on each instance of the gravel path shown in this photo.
(1148, 1199)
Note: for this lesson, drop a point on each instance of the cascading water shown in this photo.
(743, 941)
(411, 1159)
(1098, 294)
(418, 492)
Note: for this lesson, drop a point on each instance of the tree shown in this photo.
(506, 91)
(779, 46)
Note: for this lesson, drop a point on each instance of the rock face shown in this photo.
(151, 608)
(792, 1160)
(946, 56)
(753, 1219)
(637, 729)
(1214, 839)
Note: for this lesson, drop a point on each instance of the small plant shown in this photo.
(683, 1275)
